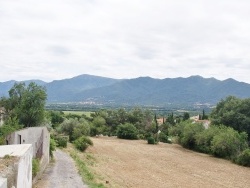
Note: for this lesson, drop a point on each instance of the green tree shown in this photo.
(233, 112)
(186, 116)
(229, 143)
(27, 104)
(203, 139)
(204, 116)
(56, 118)
(67, 127)
(127, 131)
(189, 133)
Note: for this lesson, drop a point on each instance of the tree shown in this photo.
(204, 116)
(26, 103)
(229, 143)
(127, 131)
(186, 116)
(233, 112)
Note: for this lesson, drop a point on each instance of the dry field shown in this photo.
(125, 163)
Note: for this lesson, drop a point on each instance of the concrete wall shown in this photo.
(3, 182)
(20, 175)
(39, 137)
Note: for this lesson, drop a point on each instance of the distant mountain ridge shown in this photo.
(139, 91)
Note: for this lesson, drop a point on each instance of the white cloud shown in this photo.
(55, 39)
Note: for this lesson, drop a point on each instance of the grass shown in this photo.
(83, 161)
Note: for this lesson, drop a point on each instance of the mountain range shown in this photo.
(90, 89)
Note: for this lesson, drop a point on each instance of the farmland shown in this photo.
(124, 163)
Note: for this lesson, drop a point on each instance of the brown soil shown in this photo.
(123, 163)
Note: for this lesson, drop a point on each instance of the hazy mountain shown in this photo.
(6, 86)
(141, 91)
(149, 91)
(63, 90)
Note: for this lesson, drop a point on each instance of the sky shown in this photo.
(58, 39)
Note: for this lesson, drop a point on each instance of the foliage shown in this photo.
(26, 103)
(67, 127)
(56, 118)
(186, 116)
(233, 112)
(80, 129)
(203, 139)
(228, 143)
(164, 138)
(204, 116)
(83, 143)
(10, 125)
(73, 116)
(127, 131)
(151, 140)
(98, 126)
(61, 141)
(190, 130)
(35, 167)
(52, 147)
(244, 158)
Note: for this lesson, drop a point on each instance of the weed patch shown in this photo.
(87, 176)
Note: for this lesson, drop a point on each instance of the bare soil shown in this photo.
(124, 163)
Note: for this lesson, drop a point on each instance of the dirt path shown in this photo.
(61, 174)
(136, 164)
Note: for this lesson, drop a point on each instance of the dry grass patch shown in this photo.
(125, 163)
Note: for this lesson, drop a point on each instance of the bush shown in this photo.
(188, 136)
(9, 127)
(52, 146)
(164, 138)
(244, 158)
(127, 131)
(61, 141)
(35, 167)
(151, 140)
(228, 143)
(83, 143)
(203, 139)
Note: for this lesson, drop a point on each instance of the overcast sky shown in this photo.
(56, 39)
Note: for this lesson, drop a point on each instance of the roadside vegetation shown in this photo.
(83, 162)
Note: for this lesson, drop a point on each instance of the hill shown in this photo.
(139, 91)
(149, 91)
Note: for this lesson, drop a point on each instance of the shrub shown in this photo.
(127, 131)
(203, 139)
(82, 143)
(52, 146)
(8, 127)
(188, 136)
(35, 167)
(244, 158)
(228, 143)
(61, 141)
(151, 140)
(164, 138)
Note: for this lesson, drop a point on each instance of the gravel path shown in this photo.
(61, 174)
